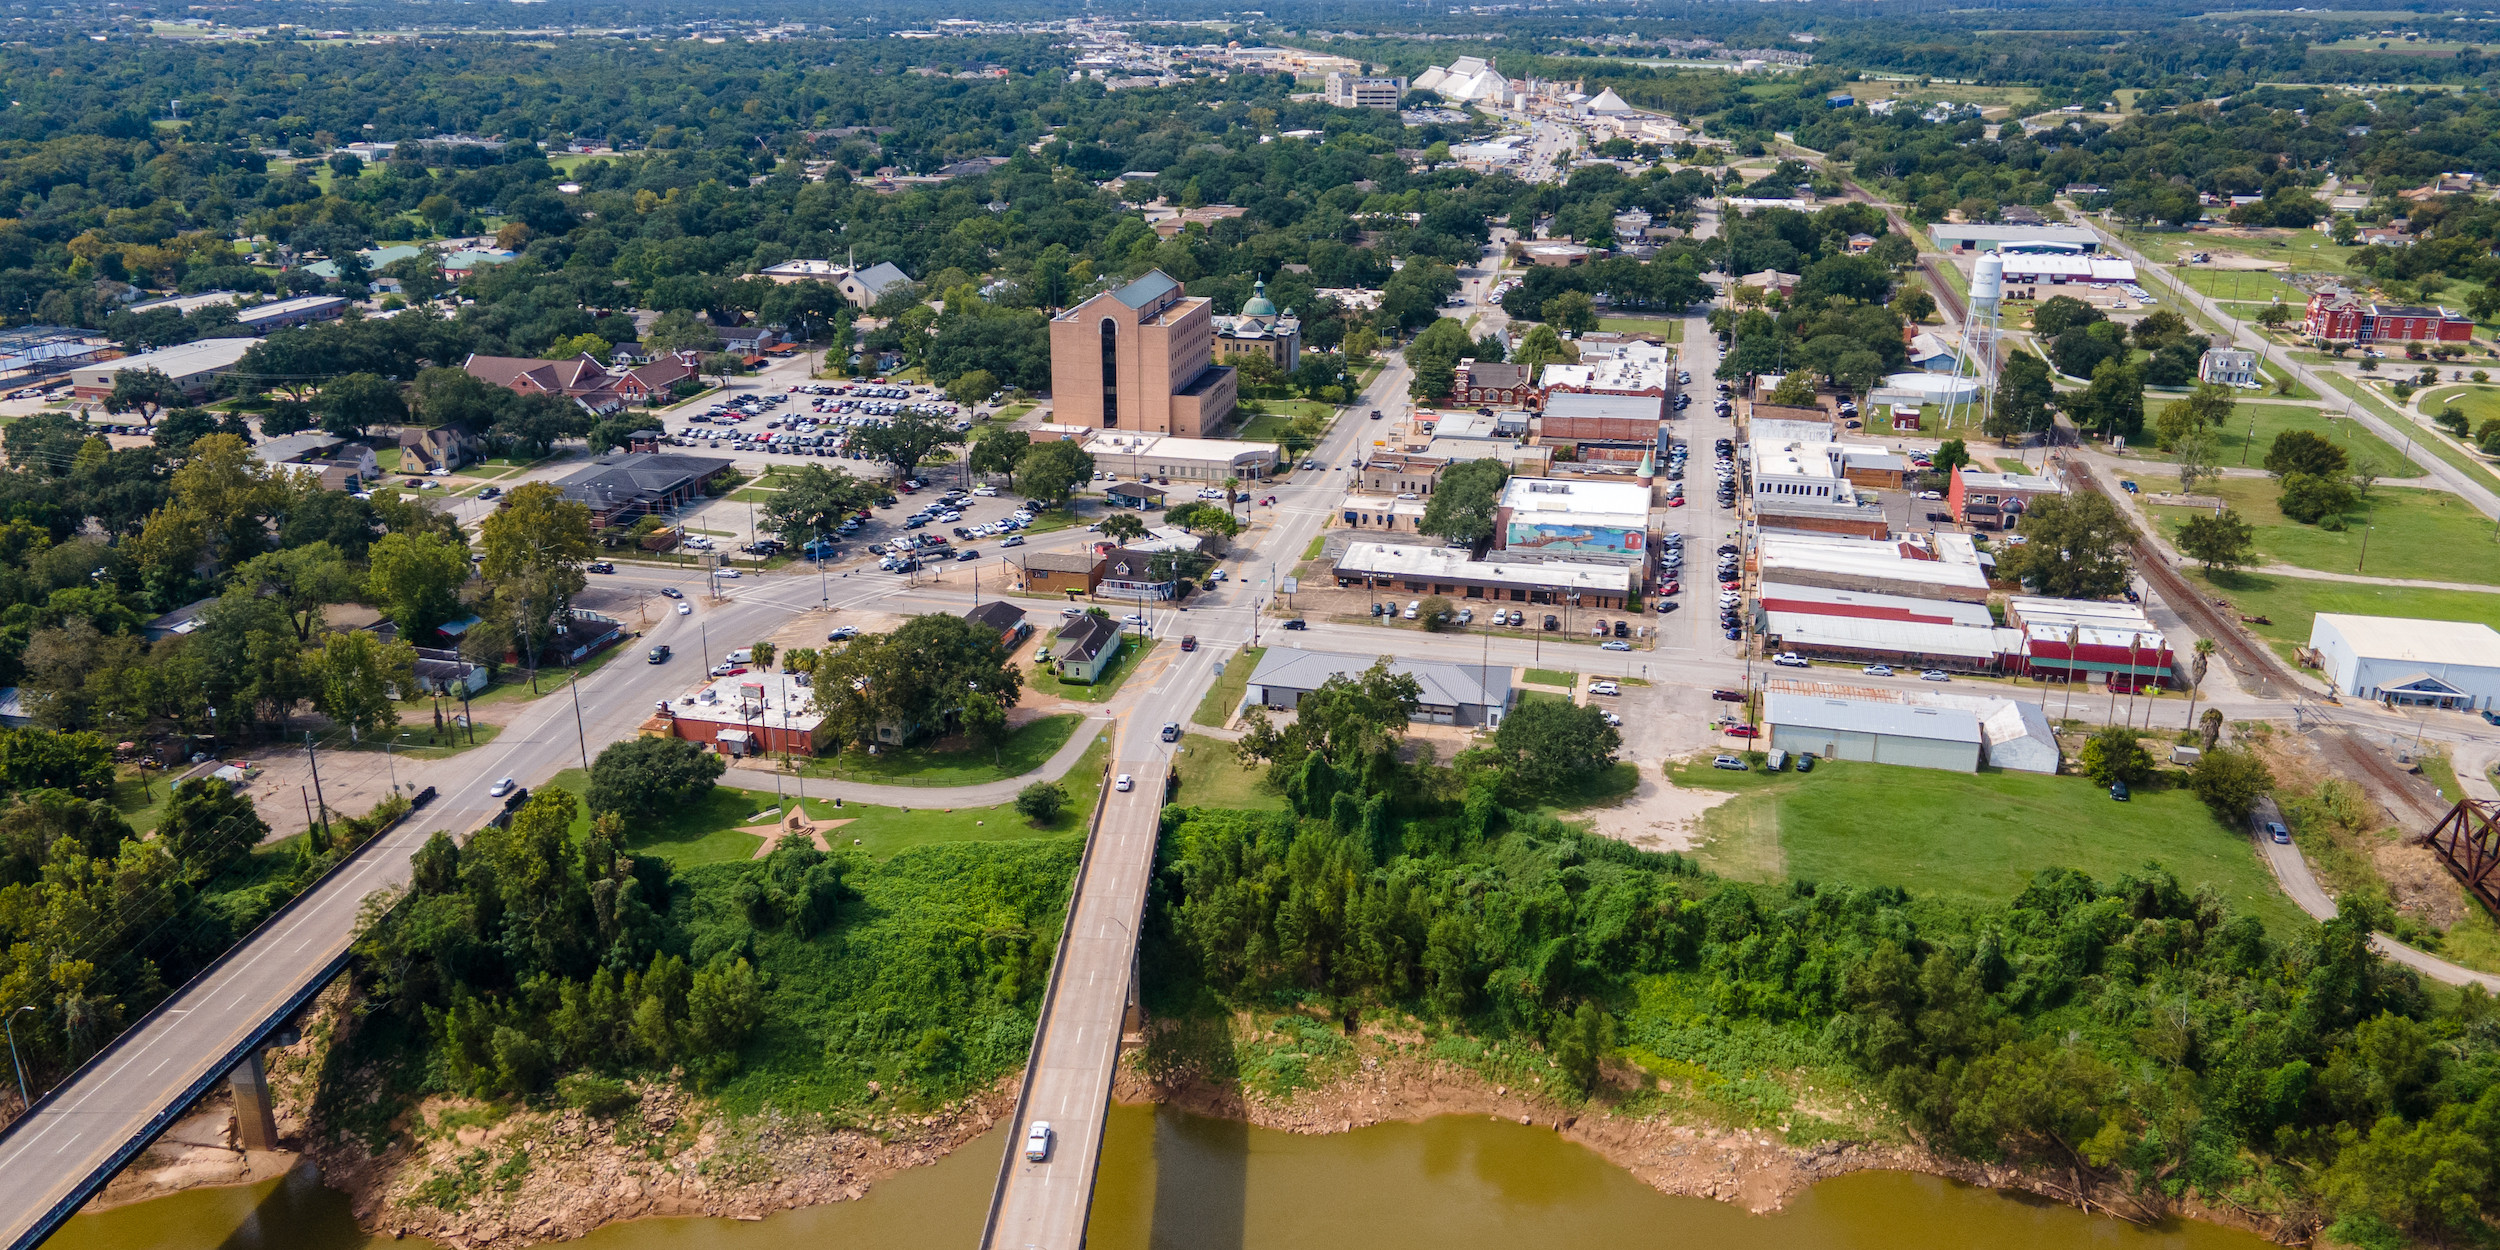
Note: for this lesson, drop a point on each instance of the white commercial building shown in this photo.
(1448, 572)
(2409, 663)
(1354, 91)
(190, 365)
(1644, 373)
(2065, 268)
(1874, 733)
(1943, 565)
(1553, 518)
(1194, 459)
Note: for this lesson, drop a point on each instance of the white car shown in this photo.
(1604, 687)
(1136, 620)
(1790, 659)
(1934, 674)
(1126, 783)
(1037, 1142)
(685, 609)
(501, 788)
(1877, 670)
(731, 573)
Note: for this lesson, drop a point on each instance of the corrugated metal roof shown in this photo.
(1145, 290)
(1443, 684)
(1941, 724)
(1907, 637)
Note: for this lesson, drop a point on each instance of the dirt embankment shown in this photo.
(474, 1175)
(471, 1176)
(1751, 1167)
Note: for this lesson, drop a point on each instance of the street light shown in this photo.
(25, 1102)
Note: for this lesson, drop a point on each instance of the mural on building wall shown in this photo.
(1526, 536)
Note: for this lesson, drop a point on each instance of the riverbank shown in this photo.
(472, 1175)
(1752, 1168)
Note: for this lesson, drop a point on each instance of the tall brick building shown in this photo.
(1141, 359)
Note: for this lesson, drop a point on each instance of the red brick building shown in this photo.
(2342, 317)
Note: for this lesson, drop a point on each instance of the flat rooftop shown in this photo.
(1559, 498)
(1385, 560)
(2413, 641)
(771, 700)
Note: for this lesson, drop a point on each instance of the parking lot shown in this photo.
(809, 419)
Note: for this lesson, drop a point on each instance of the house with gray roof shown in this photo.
(621, 486)
(1452, 694)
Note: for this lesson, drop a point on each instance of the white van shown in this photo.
(743, 655)
(1777, 760)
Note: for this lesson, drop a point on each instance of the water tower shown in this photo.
(1976, 355)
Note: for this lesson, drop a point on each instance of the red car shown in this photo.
(1676, 501)
(1741, 731)
(1189, 642)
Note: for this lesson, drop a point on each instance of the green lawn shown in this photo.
(2290, 602)
(1133, 651)
(2480, 403)
(1550, 677)
(2240, 443)
(2426, 534)
(1028, 748)
(417, 740)
(706, 831)
(1013, 411)
(1542, 696)
(2474, 466)
(1230, 686)
(753, 494)
(1975, 837)
(1211, 776)
(141, 797)
(1669, 328)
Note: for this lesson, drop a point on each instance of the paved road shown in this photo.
(1077, 1050)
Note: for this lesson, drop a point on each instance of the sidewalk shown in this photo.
(987, 794)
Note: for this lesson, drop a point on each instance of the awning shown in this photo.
(737, 737)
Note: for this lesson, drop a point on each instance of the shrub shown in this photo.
(1041, 802)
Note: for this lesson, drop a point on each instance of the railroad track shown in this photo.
(2257, 667)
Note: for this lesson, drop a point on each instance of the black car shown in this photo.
(659, 654)
(601, 566)
(1553, 622)
(671, 592)
(1297, 624)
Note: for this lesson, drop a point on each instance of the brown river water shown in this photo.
(1174, 1180)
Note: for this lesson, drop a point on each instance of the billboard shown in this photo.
(1569, 539)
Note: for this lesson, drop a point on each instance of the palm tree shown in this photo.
(1232, 487)
(2196, 675)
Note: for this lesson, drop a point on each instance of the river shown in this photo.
(1175, 1180)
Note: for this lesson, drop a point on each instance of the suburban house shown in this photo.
(445, 447)
(622, 486)
(2229, 366)
(1006, 618)
(1128, 573)
(442, 671)
(1057, 572)
(1452, 694)
(1085, 647)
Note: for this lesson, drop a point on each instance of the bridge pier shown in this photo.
(255, 1112)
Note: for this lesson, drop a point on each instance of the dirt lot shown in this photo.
(352, 783)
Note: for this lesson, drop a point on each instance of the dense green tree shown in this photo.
(2077, 548)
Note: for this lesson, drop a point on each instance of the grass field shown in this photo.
(2242, 442)
(2479, 403)
(1133, 651)
(2426, 534)
(1229, 687)
(1028, 748)
(2473, 465)
(2290, 602)
(707, 830)
(1211, 776)
(1973, 837)
(1670, 328)
(1550, 677)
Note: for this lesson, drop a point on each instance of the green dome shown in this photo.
(1258, 305)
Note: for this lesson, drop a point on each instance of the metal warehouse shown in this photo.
(2409, 663)
(1875, 733)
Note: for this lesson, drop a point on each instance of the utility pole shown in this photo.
(581, 735)
(312, 759)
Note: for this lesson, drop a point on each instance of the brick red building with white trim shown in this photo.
(2340, 316)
